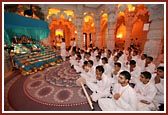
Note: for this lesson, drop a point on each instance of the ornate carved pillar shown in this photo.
(79, 22)
(111, 30)
(129, 21)
(156, 31)
(128, 36)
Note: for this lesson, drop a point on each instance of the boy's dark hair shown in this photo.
(63, 39)
(100, 68)
(151, 58)
(79, 56)
(116, 56)
(91, 62)
(105, 59)
(118, 64)
(146, 74)
(145, 55)
(160, 68)
(132, 62)
(126, 74)
(85, 62)
(98, 56)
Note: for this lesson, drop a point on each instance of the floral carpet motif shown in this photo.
(62, 75)
(55, 86)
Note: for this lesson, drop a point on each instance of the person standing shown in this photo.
(63, 49)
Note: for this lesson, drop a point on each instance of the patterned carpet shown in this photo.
(51, 89)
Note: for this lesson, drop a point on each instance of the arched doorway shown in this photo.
(133, 18)
(88, 32)
(61, 26)
(64, 28)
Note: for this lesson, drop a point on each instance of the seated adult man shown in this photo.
(123, 96)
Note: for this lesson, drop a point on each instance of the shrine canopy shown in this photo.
(15, 24)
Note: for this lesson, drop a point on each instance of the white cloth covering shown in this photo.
(145, 92)
(99, 88)
(126, 102)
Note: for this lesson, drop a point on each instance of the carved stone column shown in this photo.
(79, 22)
(156, 31)
(97, 26)
(111, 30)
(128, 35)
(129, 21)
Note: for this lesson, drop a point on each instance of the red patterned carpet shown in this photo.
(53, 89)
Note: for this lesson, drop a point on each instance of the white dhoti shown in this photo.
(146, 107)
(107, 104)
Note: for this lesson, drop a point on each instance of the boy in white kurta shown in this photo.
(158, 80)
(149, 65)
(123, 98)
(106, 66)
(89, 73)
(97, 61)
(78, 64)
(72, 58)
(146, 92)
(135, 72)
(116, 72)
(141, 62)
(101, 87)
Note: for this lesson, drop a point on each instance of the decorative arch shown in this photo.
(88, 31)
(61, 19)
(66, 26)
(133, 18)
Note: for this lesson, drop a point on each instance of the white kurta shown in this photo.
(145, 92)
(89, 76)
(107, 69)
(150, 68)
(63, 50)
(115, 77)
(159, 97)
(72, 60)
(135, 74)
(126, 102)
(78, 66)
(96, 63)
(141, 63)
(100, 88)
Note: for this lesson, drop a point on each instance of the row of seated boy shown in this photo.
(120, 86)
